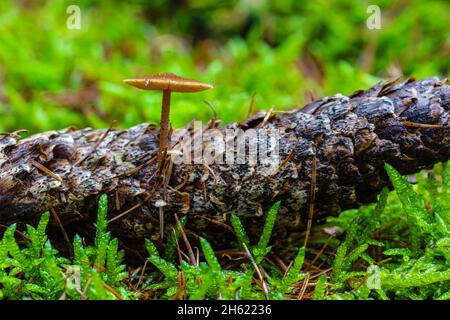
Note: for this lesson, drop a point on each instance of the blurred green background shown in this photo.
(283, 52)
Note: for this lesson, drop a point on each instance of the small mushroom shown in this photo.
(168, 83)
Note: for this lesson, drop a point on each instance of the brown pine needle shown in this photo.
(181, 254)
(281, 264)
(261, 277)
(86, 287)
(186, 242)
(359, 285)
(421, 125)
(320, 273)
(303, 288)
(137, 205)
(135, 169)
(212, 122)
(18, 232)
(114, 292)
(100, 140)
(311, 200)
(291, 153)
(15, 134)
(61, 227)
(319, 254)
(266, 118)
(310, 95)
(252, 105)
(136, 287)
(45, 170)
(97, 266)
(218, 223)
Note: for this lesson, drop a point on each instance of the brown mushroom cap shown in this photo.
(168, 81)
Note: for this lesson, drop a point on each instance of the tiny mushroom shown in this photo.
(168, 83)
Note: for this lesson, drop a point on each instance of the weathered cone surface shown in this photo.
(349, 138)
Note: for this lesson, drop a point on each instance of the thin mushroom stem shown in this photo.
(164, 130)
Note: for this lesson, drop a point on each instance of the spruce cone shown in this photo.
(340, 141)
